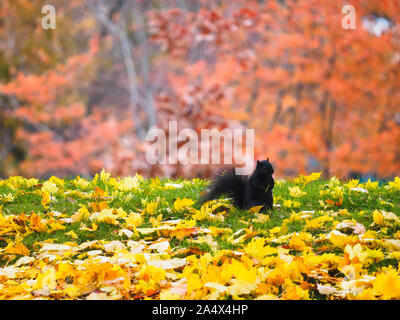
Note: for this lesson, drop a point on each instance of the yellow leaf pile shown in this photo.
(136, 238)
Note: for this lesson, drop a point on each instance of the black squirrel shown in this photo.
(247, 192)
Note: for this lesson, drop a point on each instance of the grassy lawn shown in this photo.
(136, 238)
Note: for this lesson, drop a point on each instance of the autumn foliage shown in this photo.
(81, 97)
(135, 238)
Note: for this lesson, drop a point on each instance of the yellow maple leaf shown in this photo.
(378, 218)
(156, 221)
(313, 224)
(203, 214)
(150, 208)
(37, 223)
(194, 284)
(275, 230)
(81, 214)
(387, 284)
(256, 248)
(261, 218)
(296, 192)
(46, 280)
(297, 243)
(81, 183)
(371, 185)
(17, 248)
(240, 286)
(180, 204)
(45, 199)
(294, 292)
(49, 187)
(133, 220)
(183, 233)
(72, 234)
(54, 226)
(291, 204)
(102, 205)
(129, 183)
(152, 273)
(353, 251)
(306, 179)
(106, 215)
(64, 269)
(392, 245)
(340, 240)
(255, 209)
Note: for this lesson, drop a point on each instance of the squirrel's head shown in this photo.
(264, 167)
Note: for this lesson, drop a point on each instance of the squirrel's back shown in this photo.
(229, 183)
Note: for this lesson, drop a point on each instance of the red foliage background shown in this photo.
(82, 97)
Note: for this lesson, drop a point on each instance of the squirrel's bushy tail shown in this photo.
(227, 183)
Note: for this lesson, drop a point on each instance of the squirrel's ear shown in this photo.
(258, 163)
(268, 159)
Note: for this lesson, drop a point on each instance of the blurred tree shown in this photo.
(11, 151)
(116, 19)
(319, 97)
(50, 78)
(311, 89)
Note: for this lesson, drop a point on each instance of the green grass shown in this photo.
(301, 231)
(26, 202)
